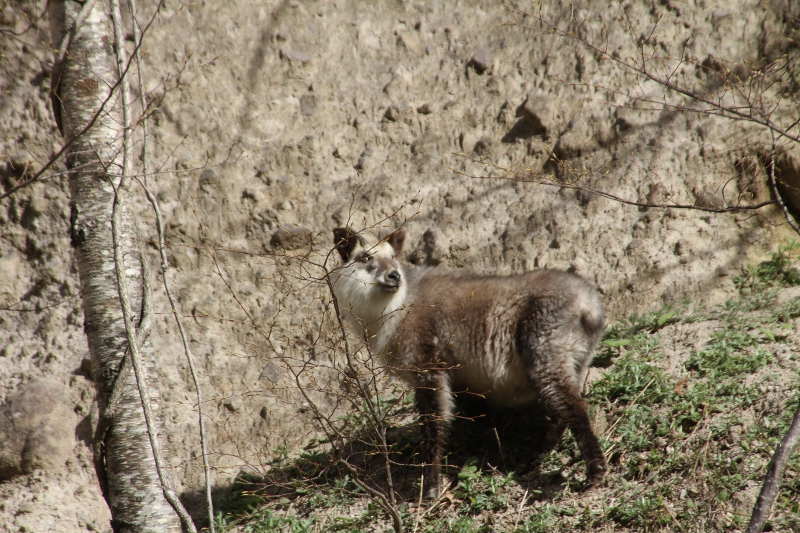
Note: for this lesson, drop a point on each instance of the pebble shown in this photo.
(392, 114)
(233, 404)
(401, 111)
(717, 15)
(308, 105)
(431, 249)
(208, 174)
(362, 159)
(290, 237)
(7, 16)
(250, 193)
(272, 373)
(293, 56)
(578, 139)
(207, 178)
(86, 366)
(423, 143)
(481, 60)
(483, 146)
(540, 110)
(409, 41)
(425, 109)
(21, 162)
(495, 85)
(263, 174)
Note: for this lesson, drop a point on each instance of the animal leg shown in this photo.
(569, 410)
(434, 403)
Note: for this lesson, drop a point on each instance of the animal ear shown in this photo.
(396, 240)
(345, 241)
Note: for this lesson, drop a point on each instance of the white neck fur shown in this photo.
(368, 309)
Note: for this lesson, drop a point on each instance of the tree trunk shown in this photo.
(85, 90)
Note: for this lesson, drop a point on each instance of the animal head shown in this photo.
(373, 261)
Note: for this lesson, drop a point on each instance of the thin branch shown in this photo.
(30, 25)
(540, 180)
(735, 113)
(122, 287)
(118, 387)
(138, 369)
(784, 450)
(773, 185)
(186, 350)
(398, 524)
(77, 135)
(772, 483)
(137, 35)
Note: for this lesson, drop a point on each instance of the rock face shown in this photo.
(431, 249)
(356, 113)
(37, 429)
(542, 111)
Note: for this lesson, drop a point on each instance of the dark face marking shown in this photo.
(378, 260)
(396, 240)
(345, 242)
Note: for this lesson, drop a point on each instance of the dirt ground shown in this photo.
(322, 113)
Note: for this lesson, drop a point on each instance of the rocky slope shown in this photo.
(305, 115)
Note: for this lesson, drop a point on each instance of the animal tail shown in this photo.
(591, 315)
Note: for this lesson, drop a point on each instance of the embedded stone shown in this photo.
(293, 56)
(290, 237)
(481, 60)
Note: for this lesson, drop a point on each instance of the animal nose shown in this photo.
(394, 275)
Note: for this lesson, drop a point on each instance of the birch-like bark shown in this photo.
(86, 89)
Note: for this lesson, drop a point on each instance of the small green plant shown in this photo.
(481, 492)
(644, 511)
(541, 520)
(778, 271)
(695, 401)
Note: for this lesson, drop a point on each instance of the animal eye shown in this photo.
(366, 259)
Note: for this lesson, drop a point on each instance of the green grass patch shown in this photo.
(695, 401)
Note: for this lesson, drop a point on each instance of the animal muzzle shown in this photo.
(390, 282)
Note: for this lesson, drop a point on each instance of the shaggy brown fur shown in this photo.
(525, 339)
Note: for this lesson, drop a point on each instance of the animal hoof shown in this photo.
(595, 475)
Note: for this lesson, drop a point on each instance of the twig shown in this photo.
(785, 449)
(73, 138)
(419, 502)
(398, 524)
(66, 41)
(519, 509)
(541, 180)
(772, 482)
(118, 387)
(122, 285)
(139, 371)
(137, 34)
(732, 112)
(37, 309)
(186, 350)
(500, 448)
(775, 191)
